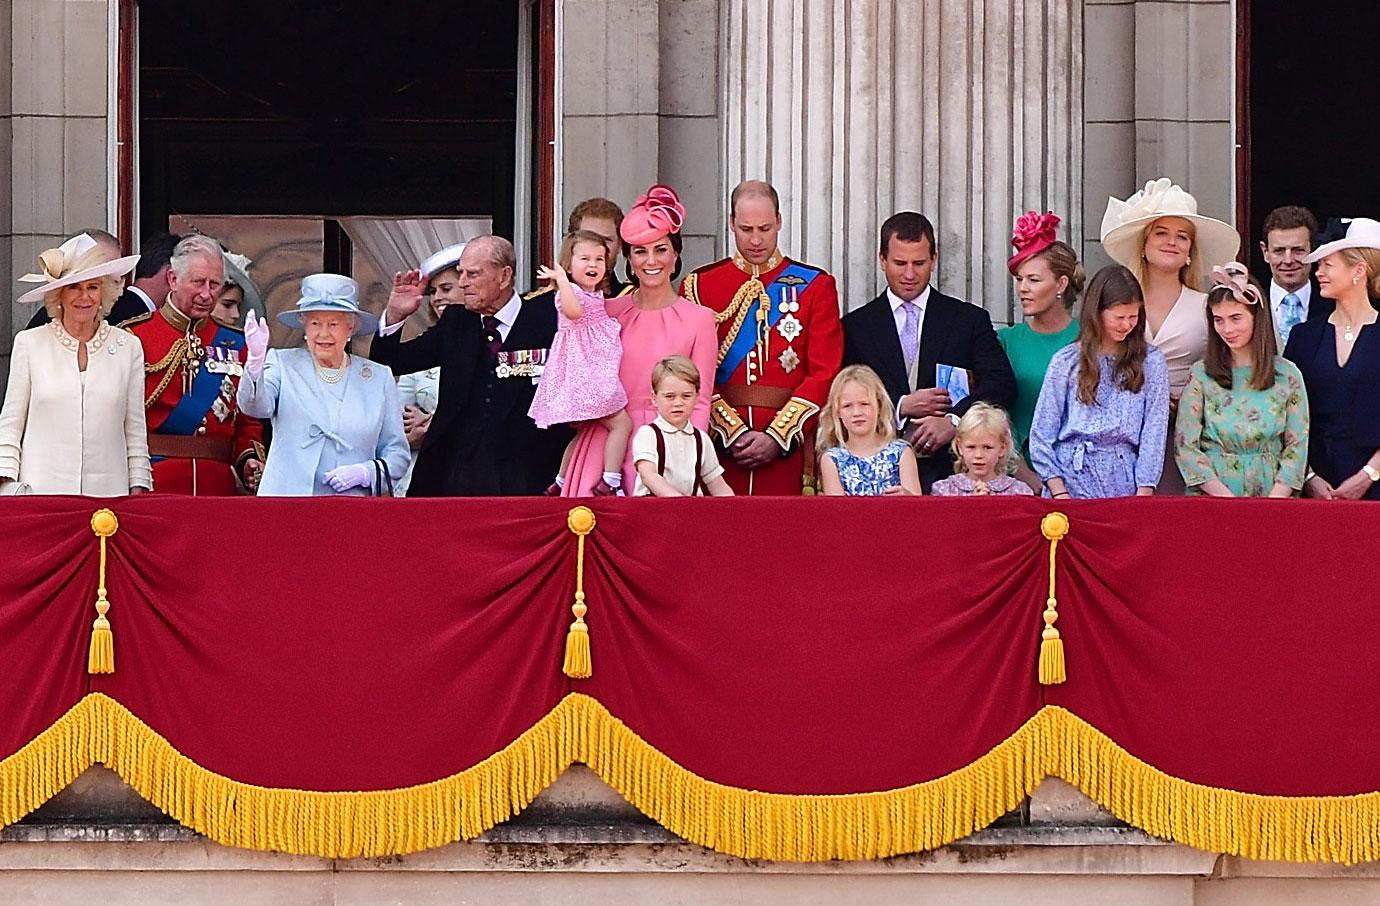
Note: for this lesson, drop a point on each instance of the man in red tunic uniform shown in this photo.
(780, 345)
(199, 441)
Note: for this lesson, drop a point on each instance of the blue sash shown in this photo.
(799, 275)
(188, 413)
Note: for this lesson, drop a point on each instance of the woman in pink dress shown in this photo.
(656, 323)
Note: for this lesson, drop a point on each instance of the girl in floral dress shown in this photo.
(1242, 428)
(862, 456)
(580, 383)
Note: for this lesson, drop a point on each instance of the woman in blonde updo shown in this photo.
(1340, 360)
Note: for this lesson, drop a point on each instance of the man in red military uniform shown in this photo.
(780, 345)
(199, 441)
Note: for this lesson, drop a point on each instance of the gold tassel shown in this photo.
(1054, 527)
(577, 659)
(101, 656)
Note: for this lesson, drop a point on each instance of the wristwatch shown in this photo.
(953, 419)
(1371, 472)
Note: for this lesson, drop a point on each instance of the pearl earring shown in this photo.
(1188, 261)
(1355, 280)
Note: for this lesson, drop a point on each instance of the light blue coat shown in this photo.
(313, 432)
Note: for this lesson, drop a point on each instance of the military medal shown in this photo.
(789, 360)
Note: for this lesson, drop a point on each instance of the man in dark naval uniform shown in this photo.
(491, 352)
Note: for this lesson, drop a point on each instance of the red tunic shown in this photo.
(207, 346)
(782, 383)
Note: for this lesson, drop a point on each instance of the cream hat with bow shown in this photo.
(1362, 233)
(1124, 223)
(75, 261)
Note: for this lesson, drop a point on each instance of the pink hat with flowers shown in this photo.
(1033, 234)
(656, 214)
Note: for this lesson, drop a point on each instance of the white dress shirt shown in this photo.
(680, 466)
(1277, 294)
(920, 301)
(913, 371)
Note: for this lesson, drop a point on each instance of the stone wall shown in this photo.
(53, 61)
(1159, 101)
(640, 102)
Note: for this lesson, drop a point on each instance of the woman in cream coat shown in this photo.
(337, 418)
(73, 419)
(1159, 234)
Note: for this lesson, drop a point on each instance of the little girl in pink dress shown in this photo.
(580, 383)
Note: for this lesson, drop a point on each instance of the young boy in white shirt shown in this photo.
(672, 457)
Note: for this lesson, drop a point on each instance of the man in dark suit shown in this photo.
(909, 330)
(151, 284)
(1294, 297)
(491, 349)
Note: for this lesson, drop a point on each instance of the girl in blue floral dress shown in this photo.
(857, 432)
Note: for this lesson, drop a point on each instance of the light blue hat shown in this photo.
(329, 292)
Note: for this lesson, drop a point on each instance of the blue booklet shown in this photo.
(953, 379)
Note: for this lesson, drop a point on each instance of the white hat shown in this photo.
(329, 292)
(62, 266)
(446, 257)
(1123, 226)
(1363, 233)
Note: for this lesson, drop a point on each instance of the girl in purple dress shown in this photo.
(580, 384)
(983, 457)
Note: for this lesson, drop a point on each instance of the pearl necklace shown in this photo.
(332, 375)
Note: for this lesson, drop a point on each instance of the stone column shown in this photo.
(640, 104)
(55, 69)
(6, 191)
(969, 111)
(1159, 88)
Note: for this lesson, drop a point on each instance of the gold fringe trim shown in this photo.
(746, 823)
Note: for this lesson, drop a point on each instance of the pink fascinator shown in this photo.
(1234, 277)
(1033, 234)
(656, 214)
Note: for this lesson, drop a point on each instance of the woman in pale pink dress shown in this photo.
(656, 323)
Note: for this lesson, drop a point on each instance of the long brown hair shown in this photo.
(1113, 285)
(1264, 347)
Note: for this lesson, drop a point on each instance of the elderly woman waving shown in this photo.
(337, 418)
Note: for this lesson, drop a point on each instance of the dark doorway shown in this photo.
(1309, 110)
(327, 108)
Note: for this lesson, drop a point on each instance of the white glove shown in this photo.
(256, 340)
(342, 478)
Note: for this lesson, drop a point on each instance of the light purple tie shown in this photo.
(910, 333)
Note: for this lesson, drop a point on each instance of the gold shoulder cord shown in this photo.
(176, 355)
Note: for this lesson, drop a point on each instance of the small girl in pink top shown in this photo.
(983, 457)
(580, 384)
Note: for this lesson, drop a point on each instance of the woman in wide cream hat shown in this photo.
(1159, 234)
(73, 419)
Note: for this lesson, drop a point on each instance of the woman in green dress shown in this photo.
(1049, 280)
(1242, 428)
